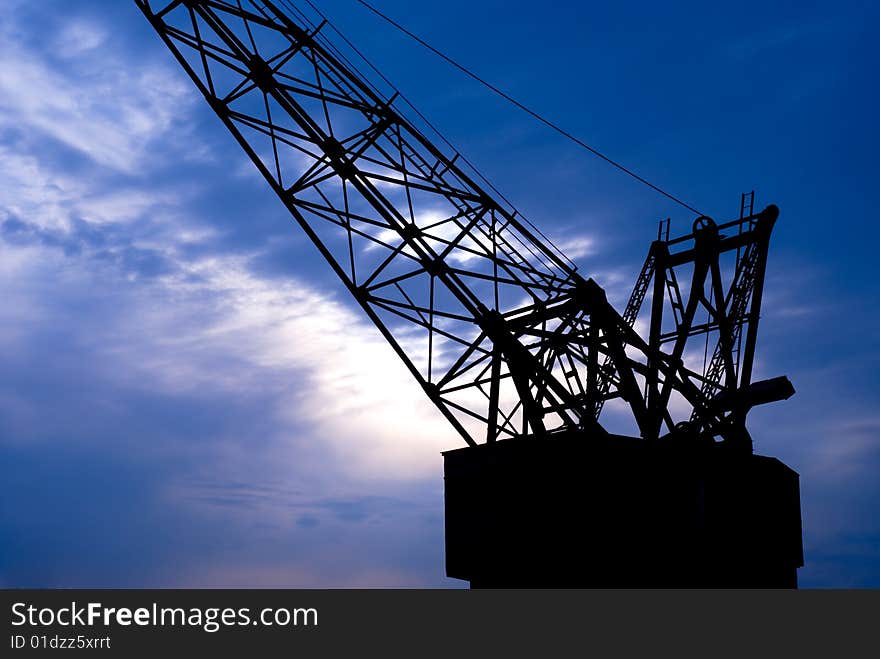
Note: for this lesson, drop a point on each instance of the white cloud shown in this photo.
(576, 246)
(79, 37)
(30, 192)
(333, 374)
(108, 106)
(342, 380)
(335, 379)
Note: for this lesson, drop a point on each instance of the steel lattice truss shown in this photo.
(501, 332)
(722, 305)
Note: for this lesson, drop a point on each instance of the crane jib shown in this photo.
(498, 328)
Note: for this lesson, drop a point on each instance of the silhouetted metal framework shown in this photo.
(723, 307)
(505, 337)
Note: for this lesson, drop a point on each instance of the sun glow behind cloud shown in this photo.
(347, 379)
(150, 303)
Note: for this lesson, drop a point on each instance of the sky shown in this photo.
(190, 399)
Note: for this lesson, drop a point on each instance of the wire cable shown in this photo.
(290, 6)
(528, 110)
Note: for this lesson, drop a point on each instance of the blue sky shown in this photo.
(174, 353)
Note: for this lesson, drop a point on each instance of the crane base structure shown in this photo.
(619, 512)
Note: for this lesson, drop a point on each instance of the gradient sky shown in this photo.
(174, 353)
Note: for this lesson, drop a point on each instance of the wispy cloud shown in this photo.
(79, 37)
(157, 348)
(106, 108)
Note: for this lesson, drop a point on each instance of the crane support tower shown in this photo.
(594, 455)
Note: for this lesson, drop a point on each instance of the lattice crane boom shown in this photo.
(498, 327)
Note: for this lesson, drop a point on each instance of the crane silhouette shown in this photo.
(496, 324)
